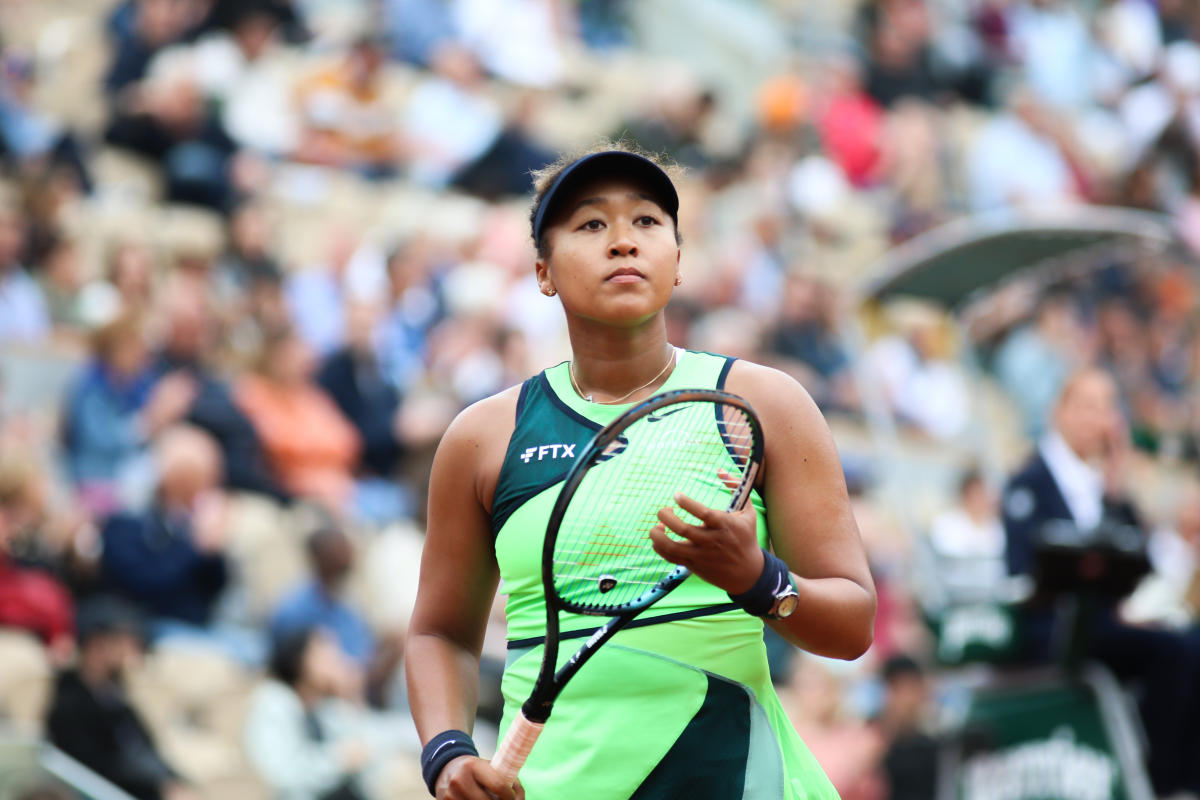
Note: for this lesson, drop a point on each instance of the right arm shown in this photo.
(458, 582)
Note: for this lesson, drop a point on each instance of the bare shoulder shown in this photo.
(779, 399)
(473, 446)
(484, 419)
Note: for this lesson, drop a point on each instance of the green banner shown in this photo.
(1047, 742)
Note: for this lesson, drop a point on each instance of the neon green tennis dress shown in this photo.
(680, 705)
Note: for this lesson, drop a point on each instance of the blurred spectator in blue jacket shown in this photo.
(113, 409)
(28, 136)
(320, 602)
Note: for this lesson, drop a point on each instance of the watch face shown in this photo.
(786, 606)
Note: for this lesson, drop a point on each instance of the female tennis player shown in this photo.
(680, 704)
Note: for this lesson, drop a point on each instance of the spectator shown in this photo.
(140, 28)
(414, 305)
(223, 15)
(1034, 360)
(851, 123)
(169, 559)
(453, 91)
(163, 117)
(29, 138)
(806, 342)
(112, 410)
(676, 127)
(1052, 43)
(848, 749)
(91, 718)
(241, 75)
(186, 357)
(968, 539)
(303, 739)
(312, 448)
(62, 284)
(316, 294)
(910, 761)
(417, 29)
(1079, 473)
(30, 600)
(896, 36)
(24, 316)
(354, 379)
(924, 387)
(320, 603)
(1170, 595)
(1028, 134)
(518, 41)
(131, 273)
(347, 119)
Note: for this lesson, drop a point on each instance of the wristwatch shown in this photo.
(786, 600)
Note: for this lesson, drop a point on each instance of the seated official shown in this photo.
(1077, 476)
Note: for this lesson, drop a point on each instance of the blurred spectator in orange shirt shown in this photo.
(309, 443)
(348, 122)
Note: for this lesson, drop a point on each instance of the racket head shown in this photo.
(597, 558)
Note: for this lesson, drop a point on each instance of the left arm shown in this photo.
(808, 512)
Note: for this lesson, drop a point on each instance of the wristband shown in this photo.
(440, 751)
(760, 598)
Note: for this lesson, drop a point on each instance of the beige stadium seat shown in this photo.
(72, 55)
(267, 548)
(132, 178)
(26, 681)
(194, 699)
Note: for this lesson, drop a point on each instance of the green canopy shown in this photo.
(950, 264)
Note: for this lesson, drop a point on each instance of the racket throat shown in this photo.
(537, 710)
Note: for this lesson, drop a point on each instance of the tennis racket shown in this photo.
(597, 557)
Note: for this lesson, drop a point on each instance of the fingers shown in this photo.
(731, 483)
(668, 548)
(708, 516)
(496, 785)
(669, 519)
(472, 778)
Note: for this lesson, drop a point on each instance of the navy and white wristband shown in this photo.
(760, 598)
(440, 751)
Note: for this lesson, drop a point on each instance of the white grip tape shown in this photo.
(513, 751)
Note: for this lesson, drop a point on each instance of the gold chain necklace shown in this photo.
(588, 397)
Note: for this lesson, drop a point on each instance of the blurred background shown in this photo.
(256, 254)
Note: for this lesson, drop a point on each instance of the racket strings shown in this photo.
(603, 558)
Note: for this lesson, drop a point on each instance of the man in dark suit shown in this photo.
(1078, 476)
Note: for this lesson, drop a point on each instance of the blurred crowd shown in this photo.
(256, 254)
